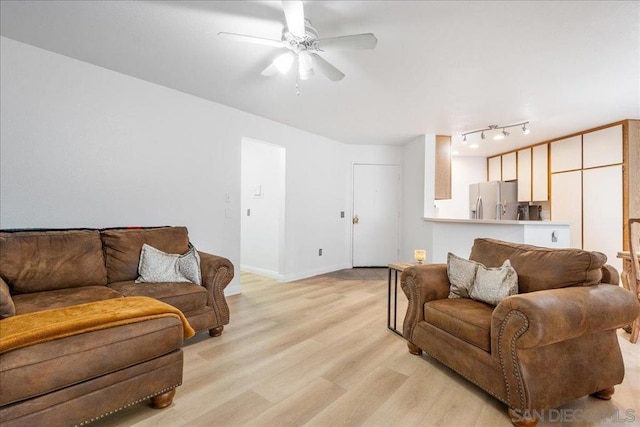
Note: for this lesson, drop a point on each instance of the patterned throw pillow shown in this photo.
(156, 266)
(462, 273)
(491, 285)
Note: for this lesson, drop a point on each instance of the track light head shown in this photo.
(525, 129)
(464, 138)
(482, 135)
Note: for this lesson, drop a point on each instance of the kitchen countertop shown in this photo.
(494, 221)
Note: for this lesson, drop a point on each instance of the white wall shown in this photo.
(82, 146)
(262, 207)
(464, 171)
(414, 234)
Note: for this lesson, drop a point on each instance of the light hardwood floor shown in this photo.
(317, 353)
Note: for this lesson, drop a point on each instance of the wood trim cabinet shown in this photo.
(509, 167)
(540, 173)
(443, 168)
(494, 168)
(524, 175)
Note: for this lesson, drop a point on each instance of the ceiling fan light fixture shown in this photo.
(283, 62)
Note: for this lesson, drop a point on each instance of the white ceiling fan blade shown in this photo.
(327, 69)
(294, 14)
(355, 41)
(251, 39)
(270, 71)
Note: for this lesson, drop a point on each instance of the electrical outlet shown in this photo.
(248, 212)
(319, 252)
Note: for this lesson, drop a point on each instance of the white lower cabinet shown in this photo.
(566, 203)
(602, 211)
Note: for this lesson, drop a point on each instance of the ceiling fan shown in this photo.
(303, 45)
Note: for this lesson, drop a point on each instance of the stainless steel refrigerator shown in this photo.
(493, 200)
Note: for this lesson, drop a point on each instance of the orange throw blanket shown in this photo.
(32, 328)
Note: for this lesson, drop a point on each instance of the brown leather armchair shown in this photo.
(552, 343)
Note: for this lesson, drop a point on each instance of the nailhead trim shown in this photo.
(83, 423)
(514, 356)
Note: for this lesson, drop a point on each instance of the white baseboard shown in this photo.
(293, 276)
(315, 272)
(262, 272)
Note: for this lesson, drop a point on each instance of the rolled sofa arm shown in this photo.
(545, 317)
(422, 283)
(610, 275)
(217, 273)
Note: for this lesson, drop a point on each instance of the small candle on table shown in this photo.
(419, 255)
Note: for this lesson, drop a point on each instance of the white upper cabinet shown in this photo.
(524, 175)
(495, 168)
(602, 147)
(540, 173)
(509, 172)
(566, 154)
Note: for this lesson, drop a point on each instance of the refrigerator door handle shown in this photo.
(479, 214)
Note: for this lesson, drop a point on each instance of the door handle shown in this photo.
(356, 220)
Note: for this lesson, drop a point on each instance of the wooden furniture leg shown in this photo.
(216, 332)
(519, 420)
(604, 394)
(414, 349)
(163, 400)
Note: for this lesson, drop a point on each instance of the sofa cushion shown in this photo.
(541, 268)
(35, 261)
(38, 301)
(156, 266)
(122, 248)
(466, 319)
(184, 296)
(492, 285)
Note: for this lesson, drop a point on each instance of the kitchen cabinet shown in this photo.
(602, 211)
(509, 170)
(540, 173)
(566, 202)
(524, 175)
(443, 167)
(494, 169)
(566, 154)
(602, 147)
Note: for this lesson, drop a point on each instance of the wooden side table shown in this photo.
(394, 268)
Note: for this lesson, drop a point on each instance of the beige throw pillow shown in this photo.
(156, 266)
(491, 285)
(462, 273)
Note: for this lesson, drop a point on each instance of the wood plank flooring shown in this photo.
(317, 352)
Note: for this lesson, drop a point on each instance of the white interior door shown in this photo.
(376, 211)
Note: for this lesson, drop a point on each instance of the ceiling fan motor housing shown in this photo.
(297, 44)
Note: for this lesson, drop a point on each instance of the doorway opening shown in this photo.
(262, 208)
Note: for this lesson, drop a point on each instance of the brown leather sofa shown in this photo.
(79, 378)
(553, 342)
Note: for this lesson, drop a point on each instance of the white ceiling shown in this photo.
(439, 67)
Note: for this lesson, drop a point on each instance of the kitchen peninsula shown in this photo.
(457, 235)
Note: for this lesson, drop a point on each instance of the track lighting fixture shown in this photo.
(502, 135)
